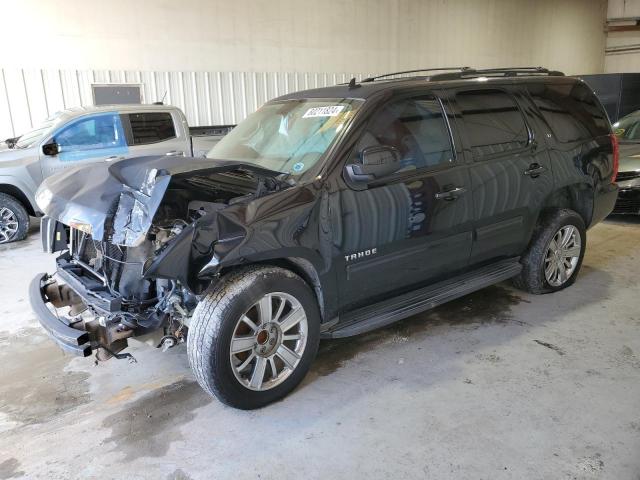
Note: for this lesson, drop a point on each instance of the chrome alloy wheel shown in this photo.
(268, 341)
(562, 255)
(8, 224)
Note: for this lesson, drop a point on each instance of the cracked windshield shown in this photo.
(288, 136)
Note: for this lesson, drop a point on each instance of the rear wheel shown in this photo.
(14, 219)
(554, 257)
(253, 337)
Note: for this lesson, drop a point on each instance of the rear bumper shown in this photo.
(70, 339)
(603, 203)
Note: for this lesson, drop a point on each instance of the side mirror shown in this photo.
(376, 162)
(51, 149)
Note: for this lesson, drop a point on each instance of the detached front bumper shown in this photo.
(95, 320)
(71, 340)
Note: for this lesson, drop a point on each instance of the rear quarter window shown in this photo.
(151, 127)
(571, 110)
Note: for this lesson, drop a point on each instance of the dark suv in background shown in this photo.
(328, 213)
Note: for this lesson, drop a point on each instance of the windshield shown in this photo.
(628, 128)
(34, 136)
(287, 136)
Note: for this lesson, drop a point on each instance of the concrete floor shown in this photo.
(497, 385)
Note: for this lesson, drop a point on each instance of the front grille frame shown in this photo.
(85, 251)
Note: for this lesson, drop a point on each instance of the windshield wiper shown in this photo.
(258, 170)
(251, 168)
(268, 180)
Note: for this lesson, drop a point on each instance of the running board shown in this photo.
(388, 311)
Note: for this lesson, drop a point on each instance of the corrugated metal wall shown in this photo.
(207, 98)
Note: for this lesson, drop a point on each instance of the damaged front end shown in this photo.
(139, 241)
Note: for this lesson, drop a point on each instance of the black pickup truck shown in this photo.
(327, 213)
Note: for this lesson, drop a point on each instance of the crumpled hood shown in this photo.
(124, 194)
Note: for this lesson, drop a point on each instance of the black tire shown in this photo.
(532, 278)
(214, 322)
(19, 213)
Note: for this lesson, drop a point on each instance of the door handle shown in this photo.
(534, 170)
(174, 153)
(113, 157)
(450, 195)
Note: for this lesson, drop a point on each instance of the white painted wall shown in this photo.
(300, 35)
(142, 38)
(629, 60)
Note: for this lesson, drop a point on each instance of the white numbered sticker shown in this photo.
(330, 111)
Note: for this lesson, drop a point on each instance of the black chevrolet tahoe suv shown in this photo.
(327, 213)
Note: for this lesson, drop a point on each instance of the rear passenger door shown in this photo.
(413, 226)
(510, 171)
(155, 133)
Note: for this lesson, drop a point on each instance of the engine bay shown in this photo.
(148, 304)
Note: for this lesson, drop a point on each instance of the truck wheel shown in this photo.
(554, 257)
(253, 337)
(14, 219)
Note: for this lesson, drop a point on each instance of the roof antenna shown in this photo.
(353, 84)
(161, 102)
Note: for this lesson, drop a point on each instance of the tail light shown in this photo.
(616, 156)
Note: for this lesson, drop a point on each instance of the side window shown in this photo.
(493, 121)
(571, 110)
(96, 132)
(416, 128)
(151, 127)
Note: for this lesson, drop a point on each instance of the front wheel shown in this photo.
(554, 257)
(14, 219)
(253, 337)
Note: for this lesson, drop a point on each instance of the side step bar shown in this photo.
(386, 312)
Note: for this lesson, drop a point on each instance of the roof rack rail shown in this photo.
(496, 72)
(461, 73)
(438, 69)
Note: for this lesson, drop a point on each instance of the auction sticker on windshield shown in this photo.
(329, 111)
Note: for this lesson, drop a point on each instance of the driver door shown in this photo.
(88, 139)
(404, 230)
